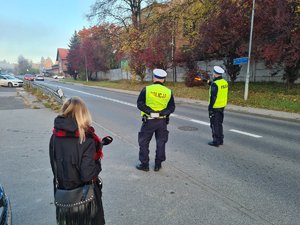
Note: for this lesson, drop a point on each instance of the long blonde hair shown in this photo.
(76, 109)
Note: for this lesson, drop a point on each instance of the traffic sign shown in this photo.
(238, 61)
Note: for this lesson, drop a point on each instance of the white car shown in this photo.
(10, 81)
(58, 77)
(39, 78)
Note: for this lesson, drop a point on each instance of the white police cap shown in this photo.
(159, 73)
(218, 70)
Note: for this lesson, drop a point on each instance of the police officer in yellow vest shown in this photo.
(156, 103)
(218, 92)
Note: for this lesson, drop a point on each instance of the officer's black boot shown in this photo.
(143, 166)
(212, 143)
(157, 166)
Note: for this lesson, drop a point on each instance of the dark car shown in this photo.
(5, 208)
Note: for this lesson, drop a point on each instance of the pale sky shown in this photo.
(36, 28)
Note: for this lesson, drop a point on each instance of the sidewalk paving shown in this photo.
(25, 171)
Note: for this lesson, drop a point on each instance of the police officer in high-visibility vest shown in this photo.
(156, 103)
(218, 92)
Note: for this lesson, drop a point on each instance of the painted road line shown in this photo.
(245, 133)
(173, 115)
(102, 97)
(200, 122)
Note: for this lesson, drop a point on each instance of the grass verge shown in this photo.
(46, 100)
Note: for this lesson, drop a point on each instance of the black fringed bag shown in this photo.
(74, 197)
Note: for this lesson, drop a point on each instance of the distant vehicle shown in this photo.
(39, 78)
(29, 77)
(10, 81)
(5, 208)
(58, 77)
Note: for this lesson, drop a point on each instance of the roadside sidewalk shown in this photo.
(233, 108)
(25, 171)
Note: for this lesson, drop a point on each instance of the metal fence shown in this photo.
(57, 94)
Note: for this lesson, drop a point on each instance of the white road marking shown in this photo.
(200, 122)
(106, 98)
(173, 115)
(245, 133)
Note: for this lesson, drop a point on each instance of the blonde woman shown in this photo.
(75, 153)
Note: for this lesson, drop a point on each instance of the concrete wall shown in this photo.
(258, 73)
(115, 74)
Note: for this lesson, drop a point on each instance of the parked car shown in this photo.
(58, 77)
(29, 77)
(5, 208)
(10, 81)
(39, 78)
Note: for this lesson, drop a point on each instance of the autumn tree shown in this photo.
(186, 17)
(96, 48)
(277, 35)
(121, 12)
(75, 61)
(107, 35)
(225, 34)
(157, 52)
(132, 47)
(128, 14)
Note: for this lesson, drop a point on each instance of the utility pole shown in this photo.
(173, 55)
(86, 75)
(249, 54)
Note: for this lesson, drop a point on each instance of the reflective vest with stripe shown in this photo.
(157, 97)
(221, 100)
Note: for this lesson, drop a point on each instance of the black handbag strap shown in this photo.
(52, 151)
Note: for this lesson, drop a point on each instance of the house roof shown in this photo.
(63, 53)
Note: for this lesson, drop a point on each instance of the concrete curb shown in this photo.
(30, 100)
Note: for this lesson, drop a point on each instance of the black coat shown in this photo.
(75, 162)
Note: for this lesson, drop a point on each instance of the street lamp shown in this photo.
(249, 54)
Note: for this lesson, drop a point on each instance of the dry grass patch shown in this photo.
(47, 101)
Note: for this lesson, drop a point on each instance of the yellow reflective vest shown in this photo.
(222, 95)
(157, 97)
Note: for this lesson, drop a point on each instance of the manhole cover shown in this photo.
(188, 128)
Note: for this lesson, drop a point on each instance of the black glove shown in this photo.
(167, 119)
(210, 113)
(162, 114)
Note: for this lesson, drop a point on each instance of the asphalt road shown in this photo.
(252, 179)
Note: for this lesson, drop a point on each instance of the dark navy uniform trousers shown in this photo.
(216, 124)
(159, 127)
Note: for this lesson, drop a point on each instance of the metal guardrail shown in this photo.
(57, 94)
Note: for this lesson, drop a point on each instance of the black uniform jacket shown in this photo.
(75, 162)
(141, 104)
